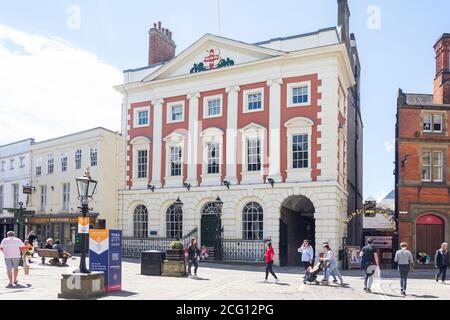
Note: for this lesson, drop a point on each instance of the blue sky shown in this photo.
(399, 54)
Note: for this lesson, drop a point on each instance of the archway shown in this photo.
(296, 224)
(430, 231)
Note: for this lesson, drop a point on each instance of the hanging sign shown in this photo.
(83, 225)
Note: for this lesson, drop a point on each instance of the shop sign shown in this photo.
(83, 224)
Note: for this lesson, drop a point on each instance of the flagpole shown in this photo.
(218, 20)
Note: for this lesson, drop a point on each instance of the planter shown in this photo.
(175, 255)
(174, 269)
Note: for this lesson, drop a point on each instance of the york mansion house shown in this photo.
(273, 129)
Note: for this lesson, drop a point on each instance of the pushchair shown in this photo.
(312, 274)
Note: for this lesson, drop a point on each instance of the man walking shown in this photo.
(371, 264)
(404, 259)
(12, 249)
(441, 262)
(307, 254)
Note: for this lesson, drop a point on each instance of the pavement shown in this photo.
(226, 282)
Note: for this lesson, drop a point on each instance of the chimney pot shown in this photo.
(161, 49)
(159, 25)
(155, 25)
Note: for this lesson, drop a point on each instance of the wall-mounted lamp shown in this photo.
(226, 184)
(271, 181)
(405, 160)
(187, 186)
(151, 187)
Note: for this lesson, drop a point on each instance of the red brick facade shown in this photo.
(423, 183)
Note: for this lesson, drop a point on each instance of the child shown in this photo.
(204, 253)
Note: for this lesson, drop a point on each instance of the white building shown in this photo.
(55, 165)
(14, 174)
(224, 112)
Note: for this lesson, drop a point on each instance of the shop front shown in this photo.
(59, 226)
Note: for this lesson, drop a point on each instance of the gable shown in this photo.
(210, 53)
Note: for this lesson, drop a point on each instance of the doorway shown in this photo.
(429, 234)
(296, 224)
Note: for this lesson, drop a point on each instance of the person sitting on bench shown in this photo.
(62, 254)
(48, 245)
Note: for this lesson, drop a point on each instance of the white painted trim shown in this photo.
(205, 106)
(169, 111)
(290, 87)
(211, 135)
(250, 131)
(298, 126)
(136, 117)
(245, 95)
(174, 140)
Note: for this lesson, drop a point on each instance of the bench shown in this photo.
(50, 253)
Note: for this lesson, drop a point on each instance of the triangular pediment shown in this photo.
(212, 53)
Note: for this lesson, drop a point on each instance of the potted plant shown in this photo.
(175, 263)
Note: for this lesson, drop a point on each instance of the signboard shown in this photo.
(83, 225)
(380, 242)
(379, 219)
(354, 261)
(105, 255)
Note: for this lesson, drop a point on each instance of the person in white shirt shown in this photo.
(12, 249)
(307, 254)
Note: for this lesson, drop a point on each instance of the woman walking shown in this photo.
(331, 263)
(441, 262)
(193, 257)
(307, 254)
(404, 259)
(269, 262)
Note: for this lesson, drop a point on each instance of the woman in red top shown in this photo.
(269, 262)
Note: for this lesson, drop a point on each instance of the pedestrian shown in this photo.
(371, 264)
(307, 254)
(64, 255)
(325, 266)
(270, 253)
(193, 257)
(330, 260)
(32, 237)
(12, 249)
(405, 260)
(441, 262)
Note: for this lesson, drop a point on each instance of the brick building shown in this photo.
(422, 157)
(272, 128)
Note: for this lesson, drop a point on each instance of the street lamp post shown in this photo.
(178, 211)
(218, 204)
(86, 188)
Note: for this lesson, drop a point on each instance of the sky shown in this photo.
(59, 60)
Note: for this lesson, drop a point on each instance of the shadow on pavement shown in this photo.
(425, 296)
(122, 293)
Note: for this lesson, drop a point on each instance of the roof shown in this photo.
(419, 99)
(391, 195)
(295, 36)
(74, 134)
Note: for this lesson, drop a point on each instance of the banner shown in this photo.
(105, 255)
(83, 225)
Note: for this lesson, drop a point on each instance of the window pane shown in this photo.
(254, 101)
(142, 164)
(252, 221)
(213, 166)
(437, 123)
(300, 151)
(300, 95)
(175, 161)
(214, 107)
(177, 113)
(253, 155)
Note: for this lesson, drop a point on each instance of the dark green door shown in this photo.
(208, 231)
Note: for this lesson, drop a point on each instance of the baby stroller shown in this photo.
(312, 274)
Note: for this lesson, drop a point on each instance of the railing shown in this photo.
(132, 247)
(243, 251)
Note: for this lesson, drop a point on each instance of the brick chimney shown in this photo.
(442, 81)
(161, 47)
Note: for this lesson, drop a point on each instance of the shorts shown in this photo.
(12, 263)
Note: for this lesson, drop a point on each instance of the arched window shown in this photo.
(140, 222)
(209, 208)
(174, 223)
(252, 221)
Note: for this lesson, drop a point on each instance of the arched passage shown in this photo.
(430, 233)
(296, 224)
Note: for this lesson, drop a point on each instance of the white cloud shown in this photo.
(389, 145)
(51, 88)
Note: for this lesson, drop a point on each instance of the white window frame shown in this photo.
(76, 159)
(2, 197)
(211, 135)
(136, 117)
(66, 197)
(92, 148)
(252, 131)
(432, 165)
(246, 93)
(3, 163)
(174, 140)
(15, 195)
(43, 198)
(38, 164)
(50, 164)
(206, 106)
(64, 155)
(290, 88)
(432, 115)
(170, 105)
(11, 163)
(140, 144)
(139, 164)
(22, 162)
(298, 126)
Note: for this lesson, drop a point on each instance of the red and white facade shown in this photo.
(246, 120)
